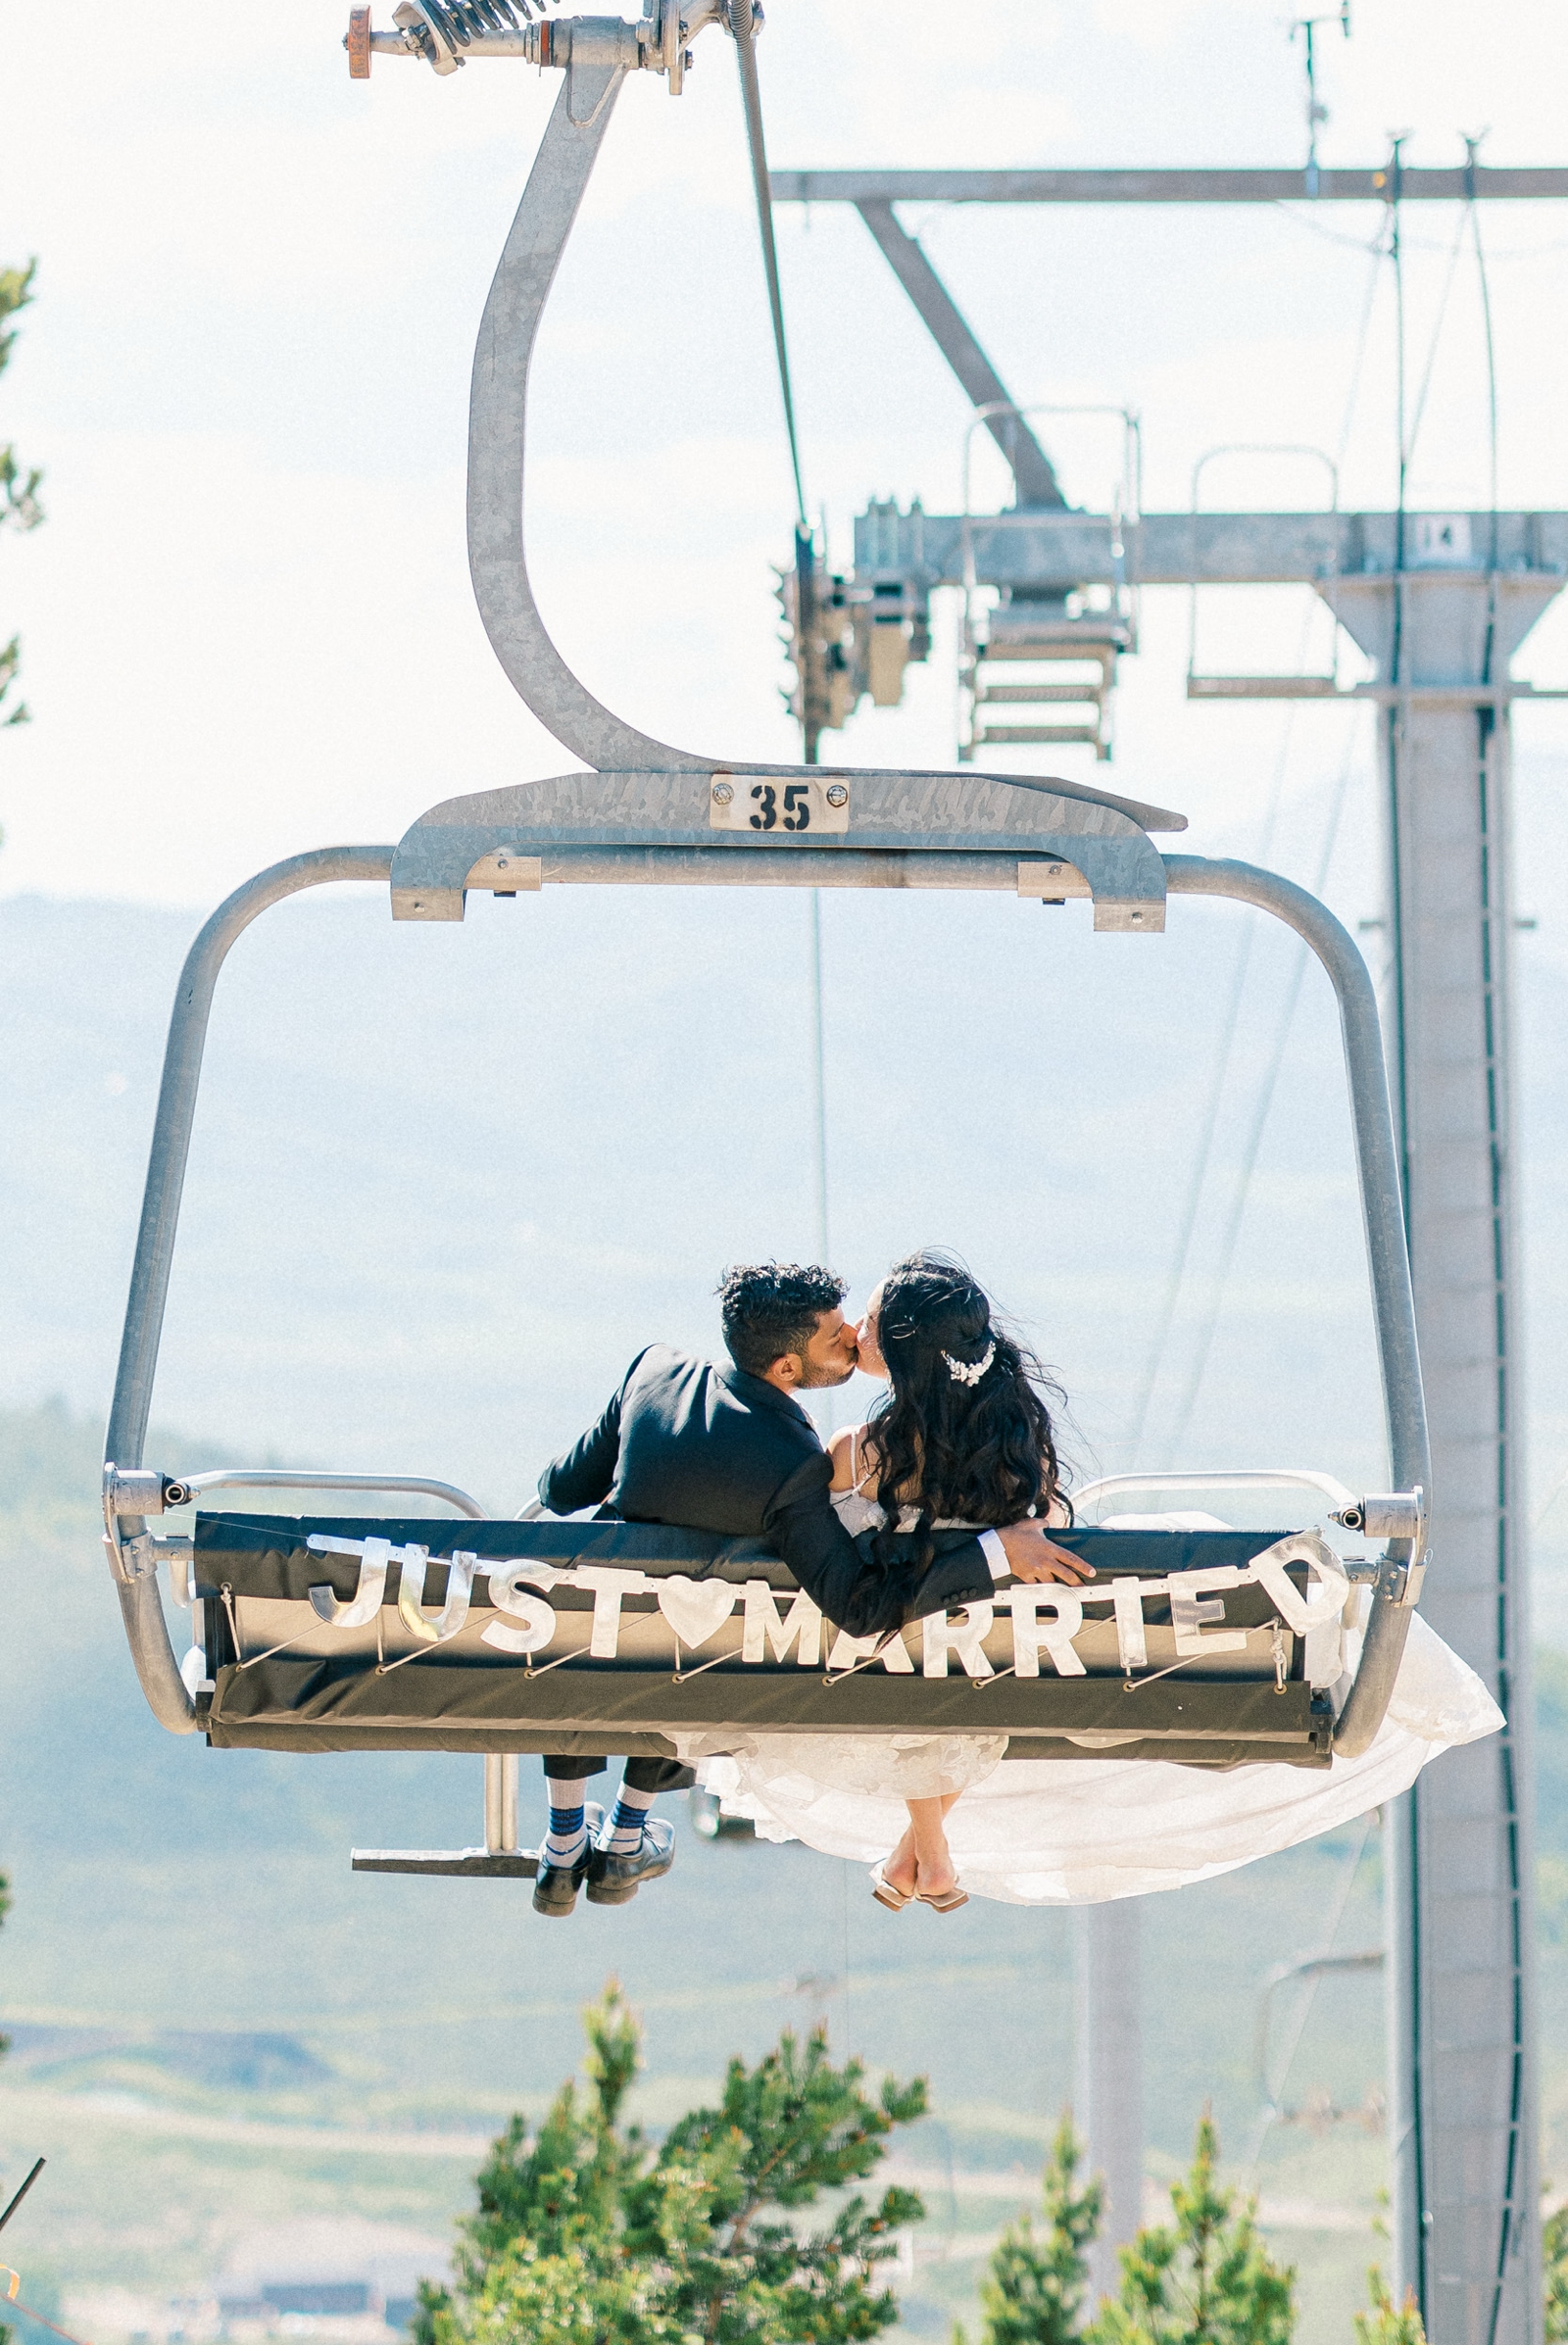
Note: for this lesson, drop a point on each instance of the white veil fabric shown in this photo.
(1079, 1831)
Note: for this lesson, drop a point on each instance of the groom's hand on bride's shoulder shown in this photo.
(1031, 1556)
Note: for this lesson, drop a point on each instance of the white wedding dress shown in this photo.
(1077, 1832)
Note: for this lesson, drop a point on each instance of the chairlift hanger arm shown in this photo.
(497, 434)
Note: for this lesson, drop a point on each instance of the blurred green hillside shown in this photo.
(219, 2033)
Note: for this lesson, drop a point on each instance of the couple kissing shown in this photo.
(948, 1486)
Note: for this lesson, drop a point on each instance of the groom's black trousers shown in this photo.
(642, 1775)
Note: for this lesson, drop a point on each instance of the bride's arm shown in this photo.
(843, 1447)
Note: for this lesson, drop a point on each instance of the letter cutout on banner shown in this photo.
(608, 1586)
(374, 1555)
(1188, 1610)
(763, 1626)
(894, 1656)
(696, 1609)
(1132, 1643)
(964, 1640)
(1030, 1632)
(434, 1627)
(1301, 1613)
(535, 1618)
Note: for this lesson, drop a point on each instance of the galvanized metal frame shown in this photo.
(133, 1556)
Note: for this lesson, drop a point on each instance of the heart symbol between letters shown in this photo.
(695, 1608)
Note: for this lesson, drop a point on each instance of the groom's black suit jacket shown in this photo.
(711, 1448)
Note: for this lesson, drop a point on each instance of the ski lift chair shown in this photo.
(1316, 684)
(368, 1632)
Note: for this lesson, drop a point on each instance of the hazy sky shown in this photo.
(248, 627)
(247, 624)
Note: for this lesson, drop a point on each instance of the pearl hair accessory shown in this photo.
(969, 1372)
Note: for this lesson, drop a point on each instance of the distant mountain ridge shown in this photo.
(445, 1181)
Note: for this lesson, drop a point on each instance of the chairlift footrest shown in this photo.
(451, 1864)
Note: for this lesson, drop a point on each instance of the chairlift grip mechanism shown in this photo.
(655, 43)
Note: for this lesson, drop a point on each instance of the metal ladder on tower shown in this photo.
(1041, 656)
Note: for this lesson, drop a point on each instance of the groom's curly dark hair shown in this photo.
(769, 1308)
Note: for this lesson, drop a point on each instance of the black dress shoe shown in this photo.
(555, 1886)
(617, 1880)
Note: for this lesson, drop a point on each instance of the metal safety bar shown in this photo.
(270, 1477)
(1242, 1479)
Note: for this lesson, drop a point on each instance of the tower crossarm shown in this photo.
(1060, 552)
(1452, 185)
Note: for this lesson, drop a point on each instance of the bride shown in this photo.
(963, 1436)
(963, 1440)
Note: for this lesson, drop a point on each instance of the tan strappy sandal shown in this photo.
(883, 1891)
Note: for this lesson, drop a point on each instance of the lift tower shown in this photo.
(1438, 604)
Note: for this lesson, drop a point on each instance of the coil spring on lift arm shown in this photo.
(444, 34)
(458, 22)
(460, 19)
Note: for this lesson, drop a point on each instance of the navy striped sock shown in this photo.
(626, 1824)
(567, 1842)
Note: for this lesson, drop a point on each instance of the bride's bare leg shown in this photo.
(922, 1857)
(899, 1869)
(933, 1860)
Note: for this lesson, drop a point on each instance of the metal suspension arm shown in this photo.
(498, 421)
(1383, 1213)
(139, 1599)
(497, 435)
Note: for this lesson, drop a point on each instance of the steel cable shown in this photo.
(1407, 439)
(1261, 1116)
(742, 26)
(1165, 1320)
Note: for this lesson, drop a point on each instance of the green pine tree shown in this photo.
(1554, 2255)
(1385, 2322)
(19, 490)
(541, 2199)
(1034, 2292)
(586, 2235)
(1206, 2278)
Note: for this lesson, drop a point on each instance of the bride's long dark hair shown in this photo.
(974, 1451)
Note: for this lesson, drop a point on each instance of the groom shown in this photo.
(729, 1449)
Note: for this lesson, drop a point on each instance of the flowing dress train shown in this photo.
(1078, 1831)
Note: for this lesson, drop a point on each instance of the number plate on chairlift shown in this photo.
(779, 805)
